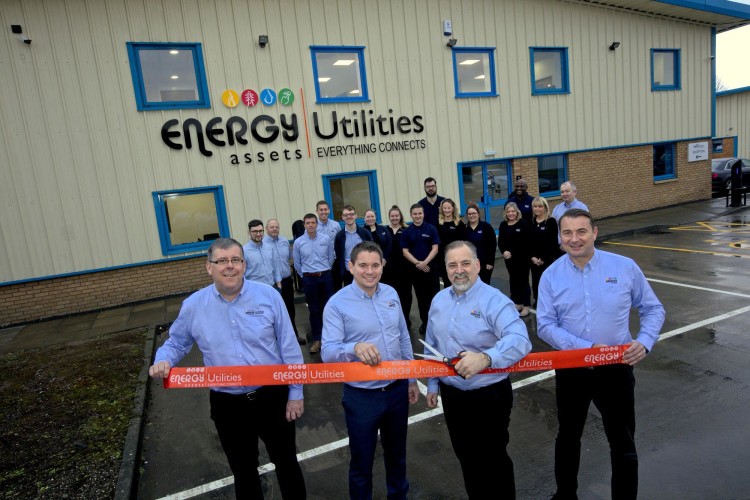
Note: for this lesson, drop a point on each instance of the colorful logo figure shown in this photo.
(230, 98)
(268, 96)
(249, 98)
(286, 97)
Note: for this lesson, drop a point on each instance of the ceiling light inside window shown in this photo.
(480, 77)
(174, 52)
(355, 91)
(469, 62)
(344, 62)
(174, 77)
(323, 79)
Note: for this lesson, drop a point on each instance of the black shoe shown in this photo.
(423, 330)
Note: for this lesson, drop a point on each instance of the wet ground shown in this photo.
(692, 399)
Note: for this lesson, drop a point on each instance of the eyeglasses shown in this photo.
(236, 261)
(350, 214)
(256, 231)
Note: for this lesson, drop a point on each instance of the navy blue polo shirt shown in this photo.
(419, 240)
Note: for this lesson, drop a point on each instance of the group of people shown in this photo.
(584, 300)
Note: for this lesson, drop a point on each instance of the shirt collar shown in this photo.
(358, 292)
(468, 293)
(221, 297)
(592, 263)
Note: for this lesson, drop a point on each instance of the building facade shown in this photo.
(732, 124)
(137, 132)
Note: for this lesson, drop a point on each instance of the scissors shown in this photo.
(440, 357)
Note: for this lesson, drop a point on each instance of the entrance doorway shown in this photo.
(486, 184)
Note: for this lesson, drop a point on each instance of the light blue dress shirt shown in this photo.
(350, 241)
(260, 264)
(330, 228)
(253, 329)
(480, 320)
(313, 255)
(563, 207)
(577, 309)
(351, 316)
(281, 253)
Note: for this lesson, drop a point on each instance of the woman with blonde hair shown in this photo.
(513, 241)
(450, 228)
(543, 247)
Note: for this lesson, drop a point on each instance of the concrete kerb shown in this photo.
(127, 478)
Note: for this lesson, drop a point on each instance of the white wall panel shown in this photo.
(733, 119)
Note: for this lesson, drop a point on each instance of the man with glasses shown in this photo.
(260, 264)
(431, 202)
(238, 322)
(346, 240)
(313, 259)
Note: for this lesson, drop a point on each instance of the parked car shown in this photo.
(721, 173)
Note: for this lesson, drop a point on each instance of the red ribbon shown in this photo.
(326, 373)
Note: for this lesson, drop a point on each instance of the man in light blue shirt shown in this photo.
(282, 253)
(585, 300)
(328, 226)
(477, 323)
(363, 322)
(346, 240)
(568, 192)
(313, 258)
(238, 322)
(260, 265)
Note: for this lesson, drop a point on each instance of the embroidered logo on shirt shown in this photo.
(611, 281)
(476, 313)
(254, 312)
(425, 235)
(390, 304)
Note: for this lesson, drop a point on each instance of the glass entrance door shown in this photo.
(486, 184)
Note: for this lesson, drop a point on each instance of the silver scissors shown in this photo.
(439, 357)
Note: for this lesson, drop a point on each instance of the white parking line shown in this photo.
(321, 450)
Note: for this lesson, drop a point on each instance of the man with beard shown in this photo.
(260, 264)
(474, 321)
(431, 202)
(523, 199)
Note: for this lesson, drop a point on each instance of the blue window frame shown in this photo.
(474, 71)
(190, 219)
(552, 171)
(549, 70)
(665, 69)
(358, 189)
(488, 184)
(168, 75)
(664, 161)
(339, 74)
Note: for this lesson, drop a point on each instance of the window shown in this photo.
(189, 219)
(486, 184)
(549, 70)
(359, 190)
(474, 72)
(552, 172)
(664, 161)
(665, 69)
(339, 74)
(168, 75)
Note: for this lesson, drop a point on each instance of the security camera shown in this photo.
(25, 39)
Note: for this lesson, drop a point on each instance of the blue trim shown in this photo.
(103, 269)
(740, 90)
(564, 77)
(162, 223)
(490, 52)
(141, 100)
(372, 184)
(677, 70)
(673, 173)
(724, 7)
(713, 80)
(360, 53)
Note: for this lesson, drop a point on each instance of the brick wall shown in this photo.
(38, 300)
(728, 149)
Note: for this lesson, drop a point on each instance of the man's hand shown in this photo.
(489, 267)
(506, 255)
(367, 353)
(432, 399)
(160, 369)
(423, 267)
(413, 393)
(471, 364)
(634, 354)
(294, 409)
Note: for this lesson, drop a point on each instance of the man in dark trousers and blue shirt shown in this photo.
(236, 322)
(346, 240)
(420, 243)
(431, 202)
(363, 322)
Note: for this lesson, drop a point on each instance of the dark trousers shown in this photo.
(518, 277)
(287, 293)
(536, 275)
(611, 389)
(485, 274)
(348, 278)
(478, 426)
(240, 420)
(401, 281)
(426, 286)
(366, 412)
(318, 289)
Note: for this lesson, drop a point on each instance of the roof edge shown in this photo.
(725, 7)
(733, 91)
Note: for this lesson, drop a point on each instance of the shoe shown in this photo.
(315, 347)
(524, 312)
(301, 341)
(423, 330)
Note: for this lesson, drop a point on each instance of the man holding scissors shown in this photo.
(364, 322)
(479, 325)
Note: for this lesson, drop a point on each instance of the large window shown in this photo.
(339, 74)
(190, 219)
(664, 161)
(168, 75)
(474, 71)
(487, 184)
(359, 189)
(665, 69)
(549, 70)
(552, 172)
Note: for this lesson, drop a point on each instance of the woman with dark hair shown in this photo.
(513, 239)
(543, 247)
(450, 228)
(482, 235)
(396, 270)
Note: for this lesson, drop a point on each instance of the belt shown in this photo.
(258, 393)
(315, 275)
(385, 388)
